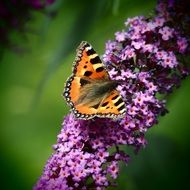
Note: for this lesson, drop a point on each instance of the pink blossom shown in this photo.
(113, 169)
(182, 44)
(127, 74)
(127, 53)
(148, 48)
(169, 61)
(166, 32)
(120, 36)
(138, 44)
(159, 21)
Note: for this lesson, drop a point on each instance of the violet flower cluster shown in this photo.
(149, 56)
(15, 13)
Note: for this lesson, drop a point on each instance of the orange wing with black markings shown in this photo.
(88, 63)
(112, 105)
(89, 76)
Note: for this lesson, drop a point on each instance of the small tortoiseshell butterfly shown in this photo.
(89, 90)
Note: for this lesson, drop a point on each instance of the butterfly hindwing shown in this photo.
(112, 106)
(72, 94)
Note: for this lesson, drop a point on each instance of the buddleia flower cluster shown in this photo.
(149, 57)
(14, 14)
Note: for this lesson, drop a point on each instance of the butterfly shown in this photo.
(89, 90)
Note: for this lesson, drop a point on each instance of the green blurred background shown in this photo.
(32, 108)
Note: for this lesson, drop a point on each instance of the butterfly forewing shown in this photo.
(88, 63)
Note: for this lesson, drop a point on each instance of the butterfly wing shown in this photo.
(88, 66)
(88, 63)
(112, 106)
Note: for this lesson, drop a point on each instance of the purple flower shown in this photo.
(138, 44)
(147, 58)
(120, 36)
(127, 53)
(159, 21)
(166, 32)
(182, 44)
(113, 169)
(75, 164)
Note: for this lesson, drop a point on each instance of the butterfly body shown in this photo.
(89, 91)
(93, 91)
